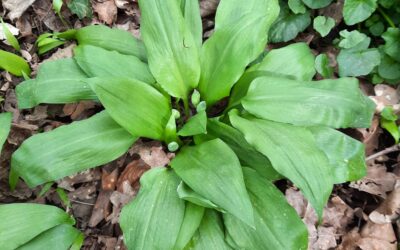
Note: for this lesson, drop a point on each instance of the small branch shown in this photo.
(81, 202)
(384, 152)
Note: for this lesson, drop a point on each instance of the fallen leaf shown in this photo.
(11, 28)
(153, 154)
(386, 96)
(389, 209)
(208, 7)
(101, 209)
(109, 180)
(61, 53)
(132, 173)
(106, 10)
(16, 7)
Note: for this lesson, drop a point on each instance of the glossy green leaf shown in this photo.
(277, 224)
(5, 124)
(191, 222)
(345, 154)
(294, 153)
(213, 171)
(392, 45)
(60, 237)
(322, 65)
(389, 68)
(69, 149)
(21, 222)
(336, 103)
(351, 39)
(138, 107)
(355, 11)
(297, 6)
(294, 61)
(82, 8)
(96, 61)
(197, 124)
(10, 37)
(246, 153)
(171, 49)
(191, 13)
(288, 25)
(323, 25)
(153, 219)
(317, 4)
(110, 39)
(186, 193)
(238, 39)
(56, 82)
(210, 234)
(14, 64)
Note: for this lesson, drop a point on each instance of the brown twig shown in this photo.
(384, 152)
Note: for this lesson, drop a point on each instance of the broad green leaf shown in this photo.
(138, 107)
(297, 6)
(210, 234)
(392, 45)
(322, 65)
(336, 103)
(186, 193)
(153, 219)
(82, 8)
(21, 222)
(10, 37)
(191, 222)
(355, 11)
(351, 39)
(56, 82)
(14, 64)
(317, 4)
(389, 68)
(213, 171)
(197, 124)
(294, 153)
(110, 39)
(359, 60)
(60, 237)
(388, 122)
(96, 61)
(288, 25)
(171, 49)
(69, 149)
(191, 13)
(277, 224)
(238, 39)
(5, 124)
(246, 153)
(323, 25)
(345, 154)
(294, 61)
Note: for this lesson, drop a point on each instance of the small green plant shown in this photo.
(236, 124)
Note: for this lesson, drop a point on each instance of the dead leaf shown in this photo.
(101, 209)
(370, 136)
(106, 10)
(153, 154)
(16, 7)
(296, 200)
(119, 200)
(208, 7)
(61, 53)
(377, 237)
(109, 180)
(389, 210)
(132, 173)
(11, 28)
(80, 110)
(89, 175)
(386, 96)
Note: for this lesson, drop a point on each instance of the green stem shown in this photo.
(387, 18)
(186, 107)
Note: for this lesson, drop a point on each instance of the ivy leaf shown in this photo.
(5, 124)
(323, 25)
(297, 6)
(288, 26)
(81, 8)
(213, 171)
(389, 68)
(271, 232)
(323, 67)
(392, 45)
(351, 39)
(356, 11)
(153, 219)
(317, 4)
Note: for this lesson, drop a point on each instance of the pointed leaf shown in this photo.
(153, 219)
(69, 149)
(336, 103)
(246, 153)
(293, 153)
(191, 13)
(213, 171)
(186, 193)
(14, 64)
(171, 48)
(277, 224)
(56, 82)
(135, 105)
(95, 61)
(239, 37)
(10, 37)
(191, 222)
(5, 124)
(345, 154)
(21, 222)
(60, 237)
(197, 124)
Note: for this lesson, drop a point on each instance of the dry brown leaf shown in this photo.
(132, 173)
(370, 136)
(154, 156)
(389, 210)
(296, 200)
(106, 10)
(101, 209)
(109, 180)
(80, 110)
(16, 7)
(208, 7)
(61, 53)
(89, 175)
(386, 96)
